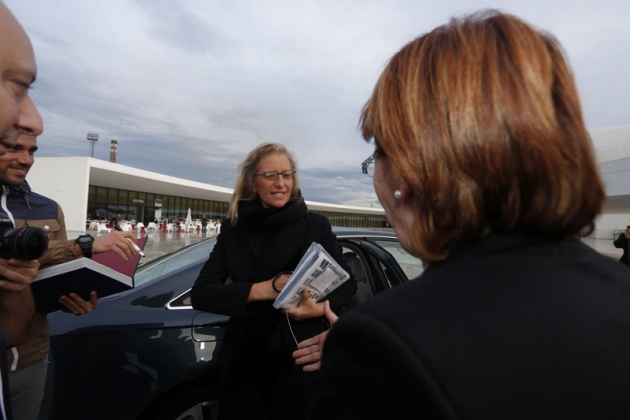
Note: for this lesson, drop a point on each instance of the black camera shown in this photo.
(27, 243)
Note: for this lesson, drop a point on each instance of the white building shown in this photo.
(612, 151)
(67, 180)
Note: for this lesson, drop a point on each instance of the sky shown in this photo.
(188, 88)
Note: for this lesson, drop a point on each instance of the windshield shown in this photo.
(193, 254)
(411, 266)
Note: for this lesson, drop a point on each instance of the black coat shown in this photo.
(264, 242)
(622, 242)
(507, 328)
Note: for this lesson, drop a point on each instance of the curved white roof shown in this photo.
(70, 185)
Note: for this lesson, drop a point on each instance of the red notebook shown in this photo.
(105, 273)
(113, 260)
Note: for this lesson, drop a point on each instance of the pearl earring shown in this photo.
(398, 194)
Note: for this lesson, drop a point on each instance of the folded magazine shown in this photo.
(318, 272)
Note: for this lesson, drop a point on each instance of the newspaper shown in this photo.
(318, 272)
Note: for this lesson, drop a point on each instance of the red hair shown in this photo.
(481, 120)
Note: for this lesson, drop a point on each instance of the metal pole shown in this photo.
(92, 138)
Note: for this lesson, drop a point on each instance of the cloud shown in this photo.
(188, 88)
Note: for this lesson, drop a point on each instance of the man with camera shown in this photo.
(28, 375)
(622, 242)
(18, 115)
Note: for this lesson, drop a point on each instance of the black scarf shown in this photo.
(252, 215)
(270, 239)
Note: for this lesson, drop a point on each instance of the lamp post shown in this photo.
(93, 138)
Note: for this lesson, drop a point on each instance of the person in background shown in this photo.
(266, 233)
(622, 243)
(484, 167)
(204, 224)
(18, 115)
(29, 361)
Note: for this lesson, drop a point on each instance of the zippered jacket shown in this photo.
(29, 209)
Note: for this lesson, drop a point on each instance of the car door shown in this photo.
(374, 268)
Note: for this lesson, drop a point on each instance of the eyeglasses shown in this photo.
(272, 176)
(367, 167)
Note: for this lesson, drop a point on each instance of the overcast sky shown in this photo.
(189, 87)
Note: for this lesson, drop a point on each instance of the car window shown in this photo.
(158, 268)
(365, 289)
(182, 301)
(410, 265)
(388, 275)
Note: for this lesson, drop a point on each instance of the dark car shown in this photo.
(147, 354)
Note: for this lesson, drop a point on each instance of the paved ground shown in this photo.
(159, 243)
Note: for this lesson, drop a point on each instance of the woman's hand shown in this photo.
(307, 309)
(268, 289)
(309, 352)
(279, 281)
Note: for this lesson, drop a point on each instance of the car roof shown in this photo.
(340, 232)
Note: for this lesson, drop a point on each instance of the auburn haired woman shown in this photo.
(485, 169)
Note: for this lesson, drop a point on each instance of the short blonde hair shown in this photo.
(481, 119)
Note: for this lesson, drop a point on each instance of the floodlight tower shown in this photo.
(93, 138)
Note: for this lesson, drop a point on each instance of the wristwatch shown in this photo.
(85, 243)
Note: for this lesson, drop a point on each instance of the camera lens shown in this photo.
(23, 243)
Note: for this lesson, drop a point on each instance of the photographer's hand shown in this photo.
(119, 242)
(77, 305)
(16, 301)
(17, 275)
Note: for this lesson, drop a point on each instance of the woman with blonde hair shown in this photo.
(485, 170)
(267, 231)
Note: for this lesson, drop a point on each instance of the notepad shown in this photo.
(106, 274)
